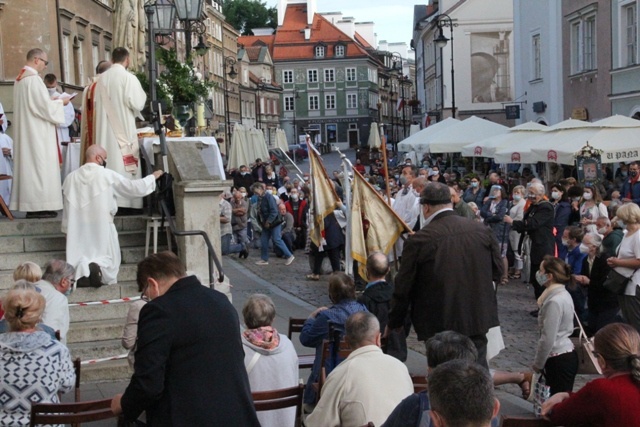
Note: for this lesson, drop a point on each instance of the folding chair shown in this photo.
(304, 360)
(279, 399)
(72, 413)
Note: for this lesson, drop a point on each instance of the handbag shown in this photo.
(616, 282)
(587, 362)
(540, 392)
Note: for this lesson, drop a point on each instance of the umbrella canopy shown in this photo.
(257, 145)
(419, 141)
(617, 137)
(547, 140)
(487, 147)
(238, 152)
(374, 137)
(281, 140)
(467, 132)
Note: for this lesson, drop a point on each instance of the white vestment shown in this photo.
(63, 129)
(127, 98)
(6, 167)
(407, 207)
(36, 173)
(90, 205)
(3, 127)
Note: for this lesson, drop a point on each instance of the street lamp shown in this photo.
(189, 12)
(397, 66)
(232, 73)
(444, 20)
(295, 107)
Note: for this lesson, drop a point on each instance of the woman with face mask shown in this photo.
(602, 305)
(516, 213)
(562, 209)
(591, 208)
(627, 263)
(493, 212)
(474, 192)
(555, 355)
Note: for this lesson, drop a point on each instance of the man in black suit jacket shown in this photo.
(446, 274)
(189, 367)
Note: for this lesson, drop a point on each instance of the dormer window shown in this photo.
(319, 51)
(340, 50)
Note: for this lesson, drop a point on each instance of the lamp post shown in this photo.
(189, 12)
(397, 66)
(295, 107)
(444, 20)
(231, 62)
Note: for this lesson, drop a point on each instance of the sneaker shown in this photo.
(262, 262)
(289, 260)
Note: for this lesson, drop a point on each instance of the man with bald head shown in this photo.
(446, 276)
(89, 208)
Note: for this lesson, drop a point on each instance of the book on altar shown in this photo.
(64, 95)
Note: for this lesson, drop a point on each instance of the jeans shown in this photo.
(227, 247)
(241, 235)
(288, 239)
(275, 234)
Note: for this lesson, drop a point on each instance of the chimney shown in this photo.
(307, 33)
(282, 8)
(311, 11)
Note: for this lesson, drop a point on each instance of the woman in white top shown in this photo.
(517, 213)
(591, 208)
(627, 262)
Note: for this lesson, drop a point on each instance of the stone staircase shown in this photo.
(95, 331)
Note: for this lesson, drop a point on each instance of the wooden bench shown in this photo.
(72, 413)
(279, 399)
(304, 360)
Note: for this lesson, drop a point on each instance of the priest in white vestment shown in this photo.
(90, 205)
(118, 98)
(36, 185)
(87, 131)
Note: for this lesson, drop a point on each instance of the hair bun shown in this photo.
(19, 312)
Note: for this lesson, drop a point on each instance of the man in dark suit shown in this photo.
(189, 367)
(446, 274)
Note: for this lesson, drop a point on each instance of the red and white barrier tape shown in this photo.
(104, 359)
(103, 302)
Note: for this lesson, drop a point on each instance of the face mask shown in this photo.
(474, 184)
(624, 173)
(555, 195)
(633, 174)
(403, 180)
(52, 90)
(602, 230)
(576, 199)
(587, 196)
(541, 278)
(294, 197)
(68, 291)
(517, 197)
(584, 249)
(244, 173)
(565, 242)
(243, 194)
(621, 224)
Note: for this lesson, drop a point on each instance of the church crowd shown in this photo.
(196, 363)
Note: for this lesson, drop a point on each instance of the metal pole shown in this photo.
(453, 80)
(441, 86)
(227, 125)
(187, 41)
(346, 185)
(404, 111)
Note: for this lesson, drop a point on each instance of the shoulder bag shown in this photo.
(617, 282)
(587, 362)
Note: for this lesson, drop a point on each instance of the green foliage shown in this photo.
(247, 14)
(179, 81)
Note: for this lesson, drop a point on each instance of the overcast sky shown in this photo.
(393, 18)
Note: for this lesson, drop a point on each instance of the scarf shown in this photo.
(547, 293)
(264, 337)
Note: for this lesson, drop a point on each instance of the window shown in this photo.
(95, 55)
(289, 105)
(631, 36)
(329, 75)
(65, 57)
(314, 102)
(312, 76)
(352, 100)
(287, 76)
(319, 51)
(330, 102)
(351, 75)
(78, 62)
(535, 53)
(583, 44)
(339, 50)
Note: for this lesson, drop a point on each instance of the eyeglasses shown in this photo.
(45, 62)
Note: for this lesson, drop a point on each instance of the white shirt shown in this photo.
(56, 311)
(630, 249)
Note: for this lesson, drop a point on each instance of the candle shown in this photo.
(200, 115)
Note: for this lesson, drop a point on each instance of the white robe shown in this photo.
(407, 208)
(3, 127)
(128, 99)
(90, 205)
(6, 168)
(36, 174)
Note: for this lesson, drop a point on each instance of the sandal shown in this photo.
(525, 384)
(314, 277)
(515, 276)
(504, 281)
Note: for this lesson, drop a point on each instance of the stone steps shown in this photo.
(113, 370)
(96, 349)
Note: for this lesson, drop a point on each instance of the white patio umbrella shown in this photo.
(487, 147)
(521, 151)
(281, 140)
(419, 141)
(617, 136)
(413, 129)
(374, 137)
(468, 131)
(239, 150)
(257, 145)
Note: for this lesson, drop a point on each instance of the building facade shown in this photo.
(625, 65)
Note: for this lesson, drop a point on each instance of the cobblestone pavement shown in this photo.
(515, 300)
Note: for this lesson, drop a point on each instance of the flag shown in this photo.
(324, 199)
(400, 105)
(374, 225)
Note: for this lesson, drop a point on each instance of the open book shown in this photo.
(64, 95)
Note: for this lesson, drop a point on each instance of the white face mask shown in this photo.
(584, 249)
(52, 90)
(565, 242)
(541, 278)
(555, 195)
(243, 194)
(602, 230)
(587, 196)
(294, 197)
